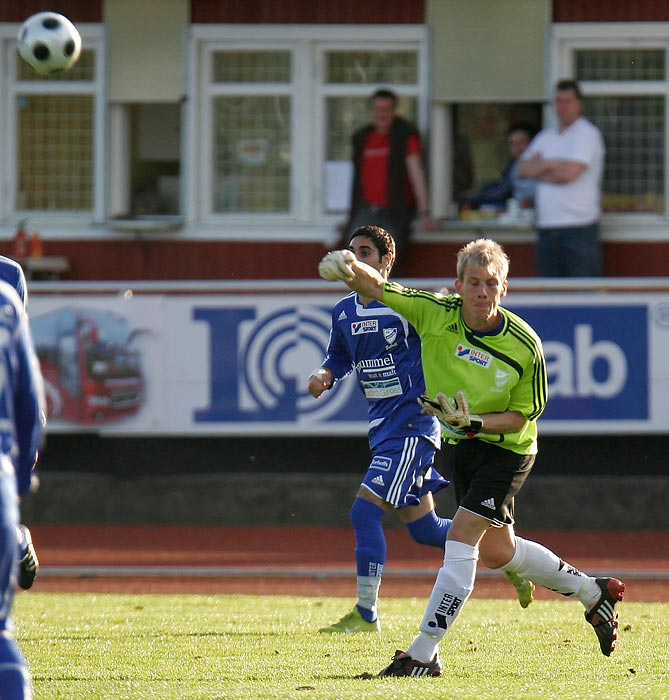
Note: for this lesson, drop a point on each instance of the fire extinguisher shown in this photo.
(36, 247)
(20, 241)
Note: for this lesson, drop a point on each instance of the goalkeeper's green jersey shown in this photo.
(500, 371)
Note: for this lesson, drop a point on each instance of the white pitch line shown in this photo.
(268, 572)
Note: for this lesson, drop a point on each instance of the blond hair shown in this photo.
(486, 254)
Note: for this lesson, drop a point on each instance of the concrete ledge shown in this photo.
(545, 503)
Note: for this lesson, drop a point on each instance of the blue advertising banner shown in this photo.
(597, 359)
(253, 371)
(238, 364)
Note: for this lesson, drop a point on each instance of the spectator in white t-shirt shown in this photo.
(567, 161)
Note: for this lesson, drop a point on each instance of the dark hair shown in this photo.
(569, 84)
(382, 240)
(384, 94)
(525, 127)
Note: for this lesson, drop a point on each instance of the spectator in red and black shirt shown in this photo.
(389, 183)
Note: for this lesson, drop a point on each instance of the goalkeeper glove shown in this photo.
(337, 266)
(450, 432)
(453, 414)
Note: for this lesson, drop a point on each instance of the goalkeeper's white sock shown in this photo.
(454, 584)
(535, 562)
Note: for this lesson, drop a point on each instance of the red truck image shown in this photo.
(90, 363)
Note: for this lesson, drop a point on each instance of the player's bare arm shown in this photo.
(506, 422)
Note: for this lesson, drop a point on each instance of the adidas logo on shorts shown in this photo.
(378, 480)
(489, 503)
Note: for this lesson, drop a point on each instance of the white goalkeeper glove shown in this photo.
(453, 414)
(337, 266)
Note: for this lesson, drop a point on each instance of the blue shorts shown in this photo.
(401, 471)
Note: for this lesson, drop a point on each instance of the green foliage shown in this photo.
(188, 647)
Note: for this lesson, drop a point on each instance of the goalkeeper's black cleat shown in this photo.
(404, 665)
(28, 564)
(603, 616)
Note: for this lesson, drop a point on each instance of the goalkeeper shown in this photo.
(485, 375)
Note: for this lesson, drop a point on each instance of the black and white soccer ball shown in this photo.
(49, 42)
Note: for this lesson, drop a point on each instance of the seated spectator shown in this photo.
(510, 185)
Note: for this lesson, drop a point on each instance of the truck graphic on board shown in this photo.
(91, 365)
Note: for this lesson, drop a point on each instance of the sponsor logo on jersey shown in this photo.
(342, 316)
(390, 334)
(382, 389)
(369, 326)
(382, 463)
(453, 328)
(376, 363)
(464, 352)
(501, 379)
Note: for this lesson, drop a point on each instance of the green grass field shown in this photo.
(188, 647)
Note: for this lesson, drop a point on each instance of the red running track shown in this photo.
(313, 561)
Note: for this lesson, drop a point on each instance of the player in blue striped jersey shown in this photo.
(20, 437)
(384, 350)
(12, 273)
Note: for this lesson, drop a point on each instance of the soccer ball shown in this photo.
(49, 42)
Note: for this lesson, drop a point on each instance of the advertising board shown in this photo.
(237, 364)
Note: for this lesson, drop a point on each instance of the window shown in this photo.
(52, 152)
(623, 75)
(251, 131)
(350, 77)
(634, 170)
(480, 149)
(276, 109)
(55, 152)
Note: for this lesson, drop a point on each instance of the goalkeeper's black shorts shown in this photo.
(486, 478)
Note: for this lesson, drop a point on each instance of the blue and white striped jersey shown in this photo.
(12, 273)
(384, 350)
(20, 388)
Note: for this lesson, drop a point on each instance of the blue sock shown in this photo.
(370, 550)
(430, 530)
(14, 676)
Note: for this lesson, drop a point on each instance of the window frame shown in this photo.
(308, 45)
(93, 38)
(567, 38)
